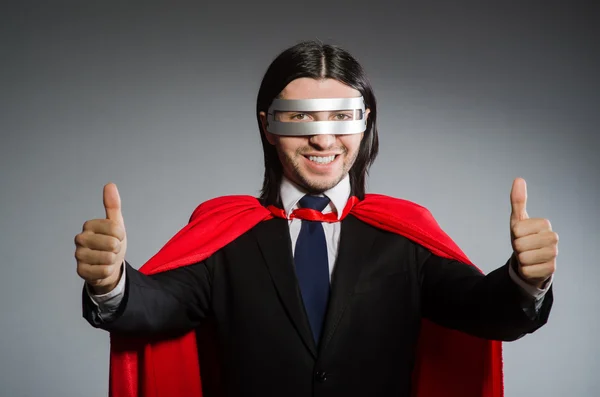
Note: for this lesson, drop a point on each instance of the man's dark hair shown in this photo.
(319, 61)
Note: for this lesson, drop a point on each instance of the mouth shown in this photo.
(322, 160)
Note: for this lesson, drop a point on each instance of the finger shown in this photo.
(92, 273)
(94, 257)
(538, 256)
(112, 203)
(531, 226)
(518, 200)
(98, 242)
(105, 226)
(539, 271)
(535, 241)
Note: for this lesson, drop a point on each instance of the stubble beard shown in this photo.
(315, 186)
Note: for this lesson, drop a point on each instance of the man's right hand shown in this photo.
(101, 246)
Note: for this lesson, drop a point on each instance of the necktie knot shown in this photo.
(314, 202)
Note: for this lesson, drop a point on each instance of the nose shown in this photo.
(322, 141)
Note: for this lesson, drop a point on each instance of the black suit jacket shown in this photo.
(246, 301)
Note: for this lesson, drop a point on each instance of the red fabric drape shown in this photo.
(449, 363)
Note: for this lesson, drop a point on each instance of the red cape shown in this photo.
(449, 363)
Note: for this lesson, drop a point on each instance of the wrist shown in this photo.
(102, 289)
(538, 283)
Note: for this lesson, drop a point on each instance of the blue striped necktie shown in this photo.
(312, 265)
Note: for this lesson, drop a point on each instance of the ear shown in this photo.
(263, 121)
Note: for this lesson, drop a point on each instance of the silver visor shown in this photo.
(336, 116)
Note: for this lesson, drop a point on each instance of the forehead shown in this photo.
(307, 88)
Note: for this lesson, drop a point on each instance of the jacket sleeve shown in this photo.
(171, 302)
(493, 306)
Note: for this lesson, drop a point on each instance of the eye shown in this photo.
(299, 117)
(341, 117)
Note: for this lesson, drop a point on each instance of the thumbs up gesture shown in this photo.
(534, 243)
(100, 248)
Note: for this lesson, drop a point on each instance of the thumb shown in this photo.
(112, 203)
(518, 201)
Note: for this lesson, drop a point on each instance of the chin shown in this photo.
(319, 184)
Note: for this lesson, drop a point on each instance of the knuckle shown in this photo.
(547, 269)
(522, 257)
(80, 239)
(518, 245)
(81, 272)
(517, 228)
(525, 272)
(106, 271)
(111, 258)
(79, 253)
(547, 224)
(113, 245)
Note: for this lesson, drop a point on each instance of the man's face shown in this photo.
(316, 162)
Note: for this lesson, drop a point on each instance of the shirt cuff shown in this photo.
(529, 289)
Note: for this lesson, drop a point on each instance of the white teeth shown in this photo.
(321, 160)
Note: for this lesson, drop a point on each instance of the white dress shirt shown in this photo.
(338, 196)
(290, 196)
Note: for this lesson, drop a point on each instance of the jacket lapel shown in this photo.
(274, 241)
(356, 241)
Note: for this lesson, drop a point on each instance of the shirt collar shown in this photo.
(291, 194)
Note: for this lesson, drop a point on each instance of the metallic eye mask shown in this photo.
(300, 117)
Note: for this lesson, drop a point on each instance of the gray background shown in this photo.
(159, 99)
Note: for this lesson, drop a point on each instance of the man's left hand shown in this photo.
(534, 243)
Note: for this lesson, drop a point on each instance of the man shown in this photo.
(317, 288)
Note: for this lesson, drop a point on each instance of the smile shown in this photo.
(322, 159)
